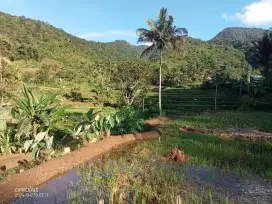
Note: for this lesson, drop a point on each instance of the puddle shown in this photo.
(240, 189)
(243, 189)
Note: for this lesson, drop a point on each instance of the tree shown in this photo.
(132, 78)
(163, 35)
(263, 55)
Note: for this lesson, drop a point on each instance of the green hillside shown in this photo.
(23, 38)
(201, 60)
(238, 37)
(35, 45)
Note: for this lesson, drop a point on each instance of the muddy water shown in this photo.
(239, 189)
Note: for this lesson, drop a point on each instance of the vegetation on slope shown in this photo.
(27, 39)
(238, 37)
(34, 46)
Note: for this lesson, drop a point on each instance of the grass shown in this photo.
(179, 100)
(209, 150)
(242, 156)
(230, 119)
(129, 171)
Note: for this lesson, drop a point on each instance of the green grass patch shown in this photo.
(246, 157)
(230, 119)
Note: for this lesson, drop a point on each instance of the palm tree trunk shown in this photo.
(160, 83)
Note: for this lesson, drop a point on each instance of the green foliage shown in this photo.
(231, 119)
(132, 78)
(88, 120)
(31, 112)
(41, 41)
(163, 35)
(100, 86)
(263, 55)
(238, 37)
(96, 124)
(103, 125)
(68, 59)
(41, 140)
(131, 120)
(8, 75)
(138, 182)
(8, 143)
(199, 63)
(242, 39)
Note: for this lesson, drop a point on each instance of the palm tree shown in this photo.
(163, 35)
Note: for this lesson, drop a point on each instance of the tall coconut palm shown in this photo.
(163, 35)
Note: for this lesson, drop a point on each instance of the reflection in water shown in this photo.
(240, 189)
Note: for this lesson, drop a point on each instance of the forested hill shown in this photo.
(238, 37)
(23, 38)
(35, 45)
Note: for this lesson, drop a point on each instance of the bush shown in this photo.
(131, 120)
(151, 112)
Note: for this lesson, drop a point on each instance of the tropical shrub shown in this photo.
(84, 129)
(37, 120)
(103, 125)
(31, 112)
(131, 120)
(96, 124)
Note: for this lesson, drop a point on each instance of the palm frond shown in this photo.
(146, 36)
(152, 25)
(148, 51)
(169, 23)
(162, 15)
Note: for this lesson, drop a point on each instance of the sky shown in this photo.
(110, 20)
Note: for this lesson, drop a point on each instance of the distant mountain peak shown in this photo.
(241, 34)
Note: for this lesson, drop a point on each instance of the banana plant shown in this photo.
(41, 140)
(31, 111)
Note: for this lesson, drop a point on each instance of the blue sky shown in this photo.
(109, 20)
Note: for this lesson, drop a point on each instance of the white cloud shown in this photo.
(227, 16)
(149, 43)
(255, 14)
(108, 33)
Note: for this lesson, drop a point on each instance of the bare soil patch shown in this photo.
(13, 160)
(250, 134)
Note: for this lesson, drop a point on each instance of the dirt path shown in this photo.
(55, 167)
(13, 160)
